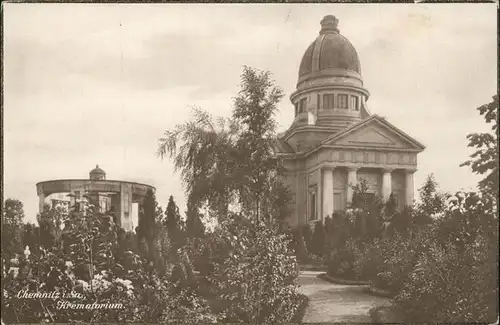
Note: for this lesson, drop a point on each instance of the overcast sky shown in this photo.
(88, 84)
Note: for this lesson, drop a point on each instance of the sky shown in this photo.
(88, 84)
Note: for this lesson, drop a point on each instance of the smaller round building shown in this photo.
(124, 199)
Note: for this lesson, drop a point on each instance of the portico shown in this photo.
(334, 190)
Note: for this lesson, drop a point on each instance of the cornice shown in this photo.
(299, 92)
(314, 74)
(360, 148)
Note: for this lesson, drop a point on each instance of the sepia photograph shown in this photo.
(249, 163)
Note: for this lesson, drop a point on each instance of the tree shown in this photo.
(147, 222)
(299, 245)
(367, 211)
(318, 239)
(51, 221)
(173, 225)
(194, 225)
(12, 228)
(30, 236)
(204, 151)
(253, 272)
(231, 161)
(255, 107)
(484, 161)
(99, 268)
(432, 202)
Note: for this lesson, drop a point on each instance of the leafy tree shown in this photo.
(30, 236)
(318, 239)
(307, 236)
(51, 222)
(456, 274)
(254, 110)
(254, 272)
(484, 161)
(99, 271)
(231, 161)
(204, 151)
(367, 212)
(432, 202)
(173, 225)
(146, 229)
(299, 245)
(12, 219)
(194, 226)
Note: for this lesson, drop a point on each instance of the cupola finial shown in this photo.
(329, 25)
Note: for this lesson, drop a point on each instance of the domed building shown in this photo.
(334, 140)
(122, 199)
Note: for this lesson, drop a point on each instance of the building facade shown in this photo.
(334, 140)
(109, 196)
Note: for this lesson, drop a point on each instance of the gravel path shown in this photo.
(330, 302)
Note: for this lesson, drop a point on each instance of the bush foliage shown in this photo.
(253, 272)
(443, 269)
(437, 258)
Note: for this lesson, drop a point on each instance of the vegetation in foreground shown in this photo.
(171, 268)
(437, 258)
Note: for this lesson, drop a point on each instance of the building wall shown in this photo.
(309, 176)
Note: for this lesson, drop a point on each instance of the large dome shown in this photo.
(330, 92)
(331, 54)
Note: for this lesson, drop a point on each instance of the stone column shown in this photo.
(327, 192)
(386, 183)
(41, 201)
(409, 186)
(352, 180)
(126, 207)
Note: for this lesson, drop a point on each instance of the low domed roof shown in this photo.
(330, 50)
(97, 171)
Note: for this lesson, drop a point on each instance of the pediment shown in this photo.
(370, 136)
(374, 132)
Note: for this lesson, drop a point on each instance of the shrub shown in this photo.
(91, 263)
(369, 262)
(398, 256)
(255, 273)
(300, 246)
(315, 260)
(318, 239)
(341, 260)
(307, 235)
(455, 279)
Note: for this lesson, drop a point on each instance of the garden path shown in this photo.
(330, 302)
